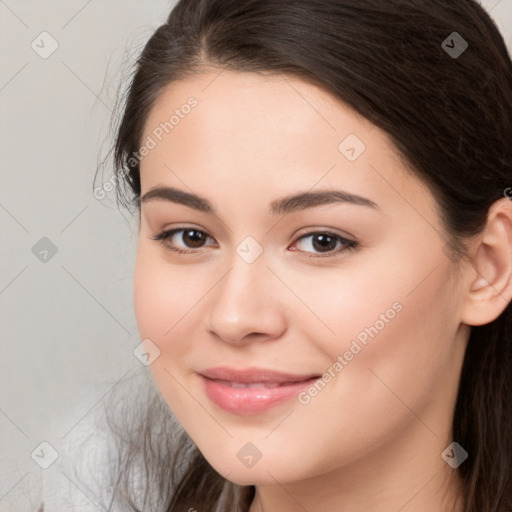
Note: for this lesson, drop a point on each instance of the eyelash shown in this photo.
(164, 236)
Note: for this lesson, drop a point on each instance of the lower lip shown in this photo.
(250, 401)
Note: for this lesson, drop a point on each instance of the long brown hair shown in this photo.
(450, 117)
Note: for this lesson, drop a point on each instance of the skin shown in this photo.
(372, 438)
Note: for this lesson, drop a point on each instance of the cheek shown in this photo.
(164, 298)
(393, 329)
(395, 347)
(386, 370)
(164, 295)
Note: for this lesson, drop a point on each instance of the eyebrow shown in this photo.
(287, 204)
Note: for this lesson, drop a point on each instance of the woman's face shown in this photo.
(311, 324)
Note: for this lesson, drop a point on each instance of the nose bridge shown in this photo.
(244, 285)
(247, 263)
(245, 300)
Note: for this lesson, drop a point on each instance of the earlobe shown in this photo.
(490, 275)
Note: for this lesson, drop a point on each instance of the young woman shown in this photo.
(323, 276)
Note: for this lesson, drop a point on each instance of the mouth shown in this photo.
(251, 391)
(254, 375)
(251, 385)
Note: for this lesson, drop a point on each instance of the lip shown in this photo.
(227, 388)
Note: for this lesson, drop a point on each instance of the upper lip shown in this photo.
(253, 375)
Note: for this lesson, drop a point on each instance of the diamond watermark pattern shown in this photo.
(249, 249)
(44, 250)
(44, 455)
(44, 45)
(454, 45)
(249, 455)
(146, 352)
(351, 147)
(454, 455)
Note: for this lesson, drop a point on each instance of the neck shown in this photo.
(401, 476)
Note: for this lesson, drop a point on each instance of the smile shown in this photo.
(253, 391)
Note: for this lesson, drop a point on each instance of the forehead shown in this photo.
(263, 105)
(266, 134)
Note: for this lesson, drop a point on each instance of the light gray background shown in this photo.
(67, 326)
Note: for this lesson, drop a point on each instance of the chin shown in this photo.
(262, 473)
(248, 477)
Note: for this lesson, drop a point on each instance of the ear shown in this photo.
(490, 273)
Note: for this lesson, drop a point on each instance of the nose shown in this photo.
(246, 305)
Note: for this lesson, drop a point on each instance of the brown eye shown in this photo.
(321, 242)
(330, 244)
(182, 239)
(193, 238)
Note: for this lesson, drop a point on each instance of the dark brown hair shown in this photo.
(449, 116)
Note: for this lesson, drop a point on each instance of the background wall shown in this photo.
(67, 326)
